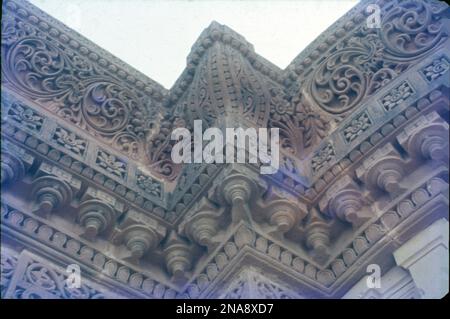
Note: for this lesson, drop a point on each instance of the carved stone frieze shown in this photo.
(86, 141)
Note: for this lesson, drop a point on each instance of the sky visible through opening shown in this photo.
(155, 36)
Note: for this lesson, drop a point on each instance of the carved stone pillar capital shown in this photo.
(50, 193)
(318, 236)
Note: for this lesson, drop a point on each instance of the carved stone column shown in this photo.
(426, 257)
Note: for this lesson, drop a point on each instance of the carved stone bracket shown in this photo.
(178, 257)
(15, 161)
(345, 201)
(97, 212)
(383, 170)
(139, 234)
(426, 137)
(12, 167)
(50, 193)
(203, 226)
(318, 236)
(283, 215)
(238, 190)
(53, 188)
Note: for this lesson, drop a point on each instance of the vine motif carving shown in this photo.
(8, 262)
(357, 127)
(148, 184)
(74, 88)
(436, 69)
(322, 158)
(111, 164)
(26, 116)
(363, 63)
(396, 96)
(70, 141)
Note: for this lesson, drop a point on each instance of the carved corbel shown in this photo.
(383, 170)
(202, 227)
(139, 234)
(52, 189)
(426, 137)
(97, 212)
(238, 190)
(318, 236)
(15, 161)
(50, 194)
(178, 257)
(344, 200)
(284, 214)
(12, 167)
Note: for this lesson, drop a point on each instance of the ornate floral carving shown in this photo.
(8, 265)
(252, 284)
(412, 27)
(321, 159)
(111, 164)
(26, 116)
(362, 63)
(148, 184)
(70, 141)
(357, 127)
(396, 96)
(74, 88)
(436, 69)
(38, 280)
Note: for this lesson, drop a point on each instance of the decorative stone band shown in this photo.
(243, 237)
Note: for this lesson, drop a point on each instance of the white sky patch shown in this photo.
(155, 36)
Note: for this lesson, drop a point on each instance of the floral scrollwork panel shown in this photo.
(370, 58)
(74, 88)
(31, 278)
